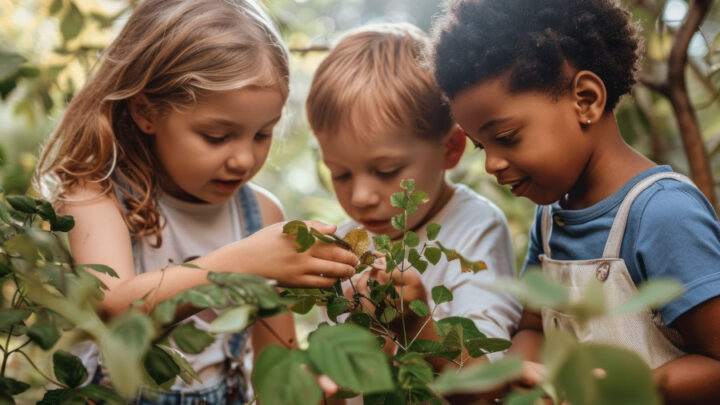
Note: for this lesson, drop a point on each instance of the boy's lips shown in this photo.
(518, 187)
(372, 224)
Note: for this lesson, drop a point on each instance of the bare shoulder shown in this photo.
(270, 207)
(84, 196)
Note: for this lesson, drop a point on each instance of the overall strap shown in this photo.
(252, 219)
(617, 232)
(546, 227)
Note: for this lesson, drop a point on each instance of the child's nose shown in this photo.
(242, 159)
(494, 162)
(363, 195)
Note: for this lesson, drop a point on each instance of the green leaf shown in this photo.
(205, 296)
(11, 386)
(135, 330)
(433, 255)
(9, 317)
(479, 377)
(303, 305)
(46, 211)
(321, 236)
(56, 6)
(361, 319)
(467, 332)
(61, 396)
(351, 357)
(234, 319)
(420, 308)
(10, 62)
(104, 394)
(43, 334)
(416, 261)
(63, 223)
(408, 185)
(337, 306)
(160, 365)
(22, 203)
(388, 315)
(441, 294)
(382, 243)
(419, 197)
(190, 339)
(433, 230)
(276, 364)
(413, 371)
(523, 398)
(69, 369)
(535, 290)
(652, 294)
(186, 372)
(72, 22)
(487, 345)
(411, 239)
(100, 268)
(304, 240)
(399, 200)
(411, 208)
(291, 227)
(432, 348)
(601, 374)
(398, 221)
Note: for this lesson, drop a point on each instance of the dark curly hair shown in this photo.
(478, 40)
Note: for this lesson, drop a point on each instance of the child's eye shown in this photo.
(387, 174)
(341, 177)
(506, 138)
(261, 136)
(215, 139)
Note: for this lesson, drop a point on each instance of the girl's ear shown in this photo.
(143, 113)
(454, 146)
(590, 97)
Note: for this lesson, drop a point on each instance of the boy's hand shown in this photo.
(271, 253)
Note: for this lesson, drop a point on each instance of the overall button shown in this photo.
(602, 271)
(558, 220)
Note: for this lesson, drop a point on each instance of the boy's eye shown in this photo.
(506, 138)
(341, 177)
(387, 174)
(261, 136)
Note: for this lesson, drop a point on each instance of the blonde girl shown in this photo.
(153, 157)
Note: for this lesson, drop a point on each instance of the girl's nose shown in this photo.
(364, 195)
(494, 162)
(242, 159)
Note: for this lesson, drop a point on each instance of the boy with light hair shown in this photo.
(379, 118)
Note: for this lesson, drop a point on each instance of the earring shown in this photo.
(588, 122)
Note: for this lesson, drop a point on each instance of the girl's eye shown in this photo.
(260, 136)
(215, 140)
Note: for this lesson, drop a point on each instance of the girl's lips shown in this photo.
(227, 186)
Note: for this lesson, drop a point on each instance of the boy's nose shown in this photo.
(494, 163)
(364, 196)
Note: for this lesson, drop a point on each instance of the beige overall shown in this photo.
(642, 332)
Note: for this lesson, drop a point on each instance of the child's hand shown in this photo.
(271, 253)
(533, 374)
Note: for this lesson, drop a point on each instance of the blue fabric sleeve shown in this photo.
(679, 238)
(534, 243)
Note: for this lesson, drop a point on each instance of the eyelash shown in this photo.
(215, 140)
(507, 139)
(260, 136)
(382, 175)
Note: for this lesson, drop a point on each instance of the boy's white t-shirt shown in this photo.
(477, 229)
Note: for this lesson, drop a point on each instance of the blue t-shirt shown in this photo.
(672, 232)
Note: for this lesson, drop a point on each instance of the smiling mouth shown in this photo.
(518, 187)
(375, 224)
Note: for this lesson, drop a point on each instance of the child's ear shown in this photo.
(454, 146)
(142, 113)
(590, 97)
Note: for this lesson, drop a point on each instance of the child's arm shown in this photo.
(694, 378)
(101, 236)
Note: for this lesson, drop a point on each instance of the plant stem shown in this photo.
(58, 383)
(6, 354)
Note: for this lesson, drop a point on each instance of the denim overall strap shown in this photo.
(546, 228)
(614, 242)
(252, 222)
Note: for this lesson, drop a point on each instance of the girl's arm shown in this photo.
(694, 378)
(100, 236)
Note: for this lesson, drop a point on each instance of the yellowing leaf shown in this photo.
(358, 240)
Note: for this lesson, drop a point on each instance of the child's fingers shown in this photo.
(335, 254)
(314, 281)
(327, 385)
(321, 226)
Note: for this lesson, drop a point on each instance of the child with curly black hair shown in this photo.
(534, 84)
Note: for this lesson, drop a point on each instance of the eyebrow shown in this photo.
(226, 123)
(492, 123)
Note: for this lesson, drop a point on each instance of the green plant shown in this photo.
(381, 311)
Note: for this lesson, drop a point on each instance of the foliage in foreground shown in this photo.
(49, 299)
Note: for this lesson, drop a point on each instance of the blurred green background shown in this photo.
(47, 47)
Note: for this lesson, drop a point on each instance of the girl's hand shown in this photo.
(533, 374)
(272, 254)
